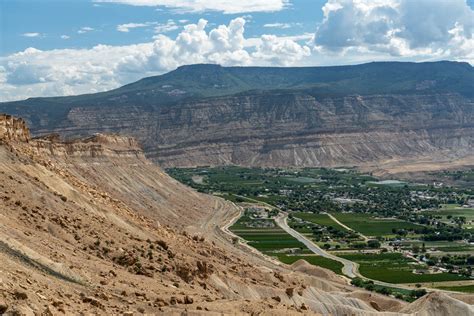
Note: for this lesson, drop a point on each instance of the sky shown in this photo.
(66, 47)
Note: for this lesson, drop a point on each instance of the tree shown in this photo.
(327, 246)
(415, 248)
(373, 243)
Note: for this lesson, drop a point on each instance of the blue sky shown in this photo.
(63, 47)
(52, 19)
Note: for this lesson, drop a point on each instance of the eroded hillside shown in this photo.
(91, 226)
(372, 115)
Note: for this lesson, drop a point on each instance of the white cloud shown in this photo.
(65, 37)
(85, 29)
(31, 34)
(169, 26)
(281, 25)
(33, 72)
(398, 28)
(225, 6)
(127, 26)
(159, 28)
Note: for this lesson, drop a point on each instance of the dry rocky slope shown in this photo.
(372, 114)
(92, 226)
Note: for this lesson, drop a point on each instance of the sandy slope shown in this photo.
(93, 227)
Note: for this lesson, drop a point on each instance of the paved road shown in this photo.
(350, 269)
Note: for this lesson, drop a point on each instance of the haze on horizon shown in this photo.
(98, 45)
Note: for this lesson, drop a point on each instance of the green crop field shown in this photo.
(394, 268)
(455, 211)
(265, 239)
(371, 226)
(320, 219)
(462, 288)
(319, 261)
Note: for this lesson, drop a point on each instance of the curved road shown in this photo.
(350, 269)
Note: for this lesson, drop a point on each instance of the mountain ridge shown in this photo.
(269, 116)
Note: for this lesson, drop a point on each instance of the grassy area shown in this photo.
(320, 219)
(319, 261)
(368, 225)
(394, 268)
(266, 239)
(274, 241)
(454, 211)
(462, 288)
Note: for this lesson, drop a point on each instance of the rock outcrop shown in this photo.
(13, 129)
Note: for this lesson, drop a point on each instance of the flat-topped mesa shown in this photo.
(13, 129)
(96, 146)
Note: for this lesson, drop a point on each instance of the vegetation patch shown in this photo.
(395, 268)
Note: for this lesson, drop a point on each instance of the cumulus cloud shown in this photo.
(65, 37)
(434, 28)
(33, 72)
(225, 6)
(31, 34)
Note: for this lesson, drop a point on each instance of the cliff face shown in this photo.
(96, 146)
(290, 129)
(315, 116)
(12, 128)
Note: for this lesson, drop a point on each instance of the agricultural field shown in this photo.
(320, 219)
(395, 268)
(265, 236)
(369, 225)
(460, 288)
(453, 214)
(437, 248)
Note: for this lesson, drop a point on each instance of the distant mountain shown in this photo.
(306, 116)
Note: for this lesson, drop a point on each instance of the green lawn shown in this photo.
(370, 226)
(319, 261)
(394, 268)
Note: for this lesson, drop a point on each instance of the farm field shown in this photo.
(441, 246)
(453, 211)
(368, 225)
(273, 241)
(462, 288)
(268, 240)
(320, 219)
(394, 268)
